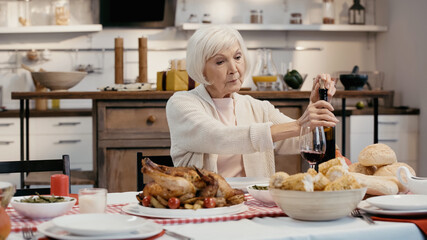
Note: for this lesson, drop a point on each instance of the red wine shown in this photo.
(312, 156)
(329, 131)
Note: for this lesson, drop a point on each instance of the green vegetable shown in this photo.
(360, 105)
(293, 79)
(260, 187)
(43, 199)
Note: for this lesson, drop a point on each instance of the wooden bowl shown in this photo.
(58, 81)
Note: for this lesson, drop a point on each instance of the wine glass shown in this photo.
(312, 144)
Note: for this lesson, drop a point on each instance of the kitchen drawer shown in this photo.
(134, 122)
(9, 148)
(60, 125)
(9, 126)
(386, 124)
(78, 146)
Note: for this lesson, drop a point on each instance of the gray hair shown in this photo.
(205, 43)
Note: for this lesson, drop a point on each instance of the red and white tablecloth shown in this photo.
(255, 209)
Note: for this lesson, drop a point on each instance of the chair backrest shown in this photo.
(162, 160)
(62, 165)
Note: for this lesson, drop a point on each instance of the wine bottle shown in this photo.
(329, 131)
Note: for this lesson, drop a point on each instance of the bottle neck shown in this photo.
(323, 94)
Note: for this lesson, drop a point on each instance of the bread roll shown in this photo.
(299, 182)
(359, 168)
(345, 182)
(377, 185)
(391, 171)
(320, 182)
(336, 172)
(339, 161)
(377, 155)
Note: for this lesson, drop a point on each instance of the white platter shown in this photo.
(136, 209)
(145, 231)
(399, 202)
(365, 206)
(242, 182)
(98, 224)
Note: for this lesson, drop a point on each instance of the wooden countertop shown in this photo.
(163, 95)
(49, 113)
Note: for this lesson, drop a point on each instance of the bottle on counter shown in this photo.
(329, 131)
(265, 70)
(328, 12)
(24, 12)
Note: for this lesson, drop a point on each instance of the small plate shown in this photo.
(98, 224)
(400, 202)
(147, 230)
(365, 206)
(136, 209)
(242, 182)
(261, 195)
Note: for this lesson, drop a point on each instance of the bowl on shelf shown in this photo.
(58, 81)
(42, 210)
(318, 205)
(261, 193)
(7, 190)
(353, 81)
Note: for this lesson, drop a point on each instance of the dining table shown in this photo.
(258, 221)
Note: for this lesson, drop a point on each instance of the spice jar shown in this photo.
(356, 13)
(61, 12)
(296, 18)
(328, 12)
(256, 16)
(24, 12)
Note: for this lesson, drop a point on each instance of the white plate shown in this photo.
(147, 230)
(400, 202)
(365, 206)
(136, 209)
(242, 182)
(98, 224)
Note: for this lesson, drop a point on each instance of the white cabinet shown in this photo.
(400, 132)
(9, 146)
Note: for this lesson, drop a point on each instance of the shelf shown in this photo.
(295, 27)
(52, 29)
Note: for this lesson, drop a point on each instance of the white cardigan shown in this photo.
(198, 136)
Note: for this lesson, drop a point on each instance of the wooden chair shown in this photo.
(162, 160)
(62, 165)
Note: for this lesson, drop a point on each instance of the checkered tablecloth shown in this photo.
(255, 209)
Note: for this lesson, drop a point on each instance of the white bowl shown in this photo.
(260, 195)
(317, 206)
(42, 210)
(58, 81)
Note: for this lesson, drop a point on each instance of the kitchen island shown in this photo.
(125, 123)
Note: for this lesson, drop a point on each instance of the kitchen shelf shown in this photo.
(296, 27)
(52, 29)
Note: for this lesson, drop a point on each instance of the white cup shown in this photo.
(92, 200)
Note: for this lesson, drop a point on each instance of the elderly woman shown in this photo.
(215, 128)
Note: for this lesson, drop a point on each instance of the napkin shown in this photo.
(420, 222)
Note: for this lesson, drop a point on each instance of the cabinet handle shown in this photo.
(5, 124)
(68, 123)
(68, 141)
(387, 140)
(151, 119)
(6, 142)
(388, 123)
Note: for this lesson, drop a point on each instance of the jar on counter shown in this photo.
(256, 16)
(206, 18)
(296, 18)
(328, 12)
(61, 12)
(24, 12)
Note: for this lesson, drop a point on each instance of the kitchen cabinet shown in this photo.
(9, 146)
(400, 132)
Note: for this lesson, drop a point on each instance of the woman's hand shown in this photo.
(318, 114)
(329, 84)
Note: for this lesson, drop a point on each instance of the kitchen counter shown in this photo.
(125, 123)
(49, 113)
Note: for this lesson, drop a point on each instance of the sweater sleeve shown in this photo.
(194, 128)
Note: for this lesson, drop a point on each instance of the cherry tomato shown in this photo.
(174, 203)
(146, 201)
(209, 202)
